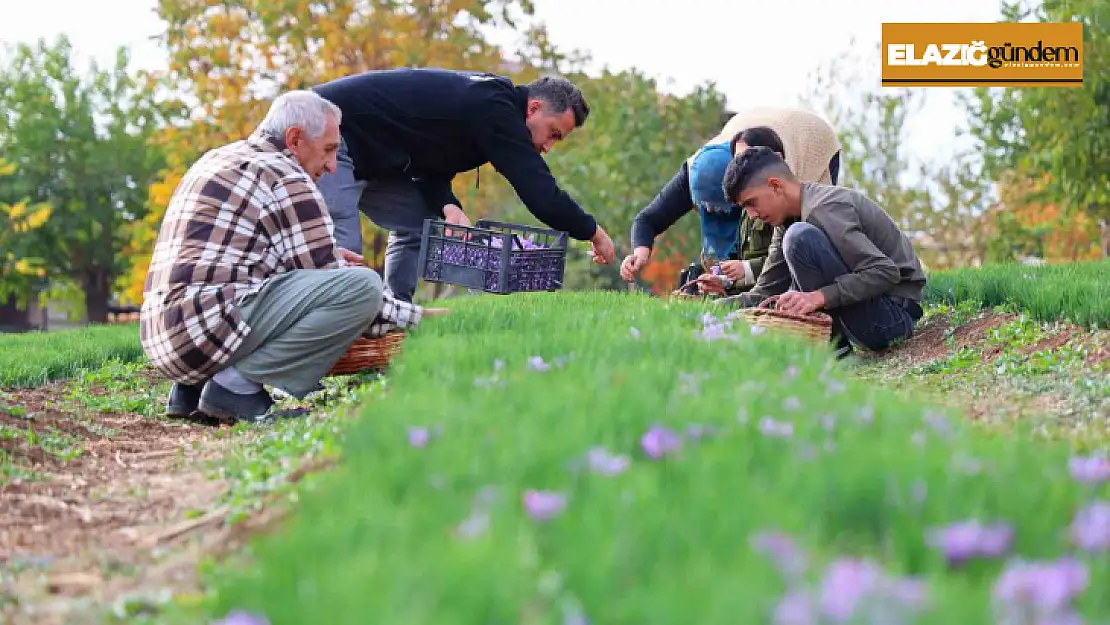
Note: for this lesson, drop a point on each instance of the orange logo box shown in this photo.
(989, 54)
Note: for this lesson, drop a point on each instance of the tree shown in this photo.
(1062, 135)
(20, 269)
(81, 145)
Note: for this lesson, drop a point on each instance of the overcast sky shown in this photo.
(733, 42)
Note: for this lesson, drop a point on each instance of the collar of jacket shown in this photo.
(521, 93)
(266, 142)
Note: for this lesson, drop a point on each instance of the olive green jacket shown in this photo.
(753, 247)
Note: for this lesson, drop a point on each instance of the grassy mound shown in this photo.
(544, 458)
(34, 358)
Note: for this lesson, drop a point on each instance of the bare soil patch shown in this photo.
(112, 499)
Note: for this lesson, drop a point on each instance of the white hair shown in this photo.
(302, 109)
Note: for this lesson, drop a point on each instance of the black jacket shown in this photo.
(431, 124)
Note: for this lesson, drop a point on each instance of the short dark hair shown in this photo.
(758, 136)
(558, 94)
(751, 167)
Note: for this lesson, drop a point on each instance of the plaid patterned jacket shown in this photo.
(241, 214)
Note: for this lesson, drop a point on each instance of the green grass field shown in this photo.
(510, 475)
(1077, 292)
(34, 358)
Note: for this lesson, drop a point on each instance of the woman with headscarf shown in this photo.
(739, 244)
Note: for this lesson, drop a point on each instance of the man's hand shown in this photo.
(768, 302)
(635, 262)
(709, 284)
(799, 303)
(350, 257)
(734, 269)
(601, 246)
(454, 215)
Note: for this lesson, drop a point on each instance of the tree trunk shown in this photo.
(97, 293)
(13, 318)
(1104, 236)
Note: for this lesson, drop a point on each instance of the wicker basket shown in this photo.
(815, 327)
(369, 355)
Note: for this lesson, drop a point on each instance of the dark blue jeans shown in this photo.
(815, 263)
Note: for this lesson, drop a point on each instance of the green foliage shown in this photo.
(1064, 133)
(440, 533)
(1077, 292)
(36, 357)
(81, 143)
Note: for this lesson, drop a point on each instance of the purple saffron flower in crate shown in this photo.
(961, 542)
(1039, 589)
(1090, 530)
(1090, 469)
(660, 441)
(543, 505)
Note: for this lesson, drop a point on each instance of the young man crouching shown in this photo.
(834, 249)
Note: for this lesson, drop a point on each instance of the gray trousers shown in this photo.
(302, 322)
(394, 204)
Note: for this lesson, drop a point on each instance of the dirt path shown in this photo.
(1000, 368)
(97, 505)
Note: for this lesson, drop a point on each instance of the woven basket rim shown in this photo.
(815, 318)
(369, 353)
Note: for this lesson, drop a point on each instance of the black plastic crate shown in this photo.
(493, 256)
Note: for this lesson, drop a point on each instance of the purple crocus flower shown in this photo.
(543, 505)
(853, 586)
(847, 582)
(601, 461)
(418, 436)
(795, 608)
(1042, 589)
(791, 403)
(963, 541)
(777, 429)
(1090, 470)
(240, 617)
(474, 525)
(660, 441)
(536, 363)
(787, 555)
(1090, 530)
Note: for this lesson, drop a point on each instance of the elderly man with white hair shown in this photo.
(247, 286)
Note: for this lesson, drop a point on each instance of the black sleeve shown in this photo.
(672, 202)
(437, 192)
(504, 139)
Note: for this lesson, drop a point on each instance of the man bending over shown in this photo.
(406, 134)
(840, 252)
(246, 286)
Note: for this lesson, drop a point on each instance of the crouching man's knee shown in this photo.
(800, 239)
(366, 289)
